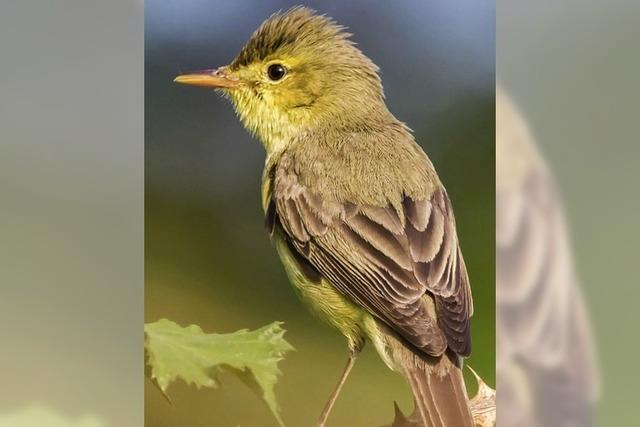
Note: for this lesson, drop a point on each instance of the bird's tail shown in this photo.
(437, 384)
(438, 388)
(439, 392)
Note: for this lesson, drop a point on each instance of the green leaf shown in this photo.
(36, 415)
(197, 358)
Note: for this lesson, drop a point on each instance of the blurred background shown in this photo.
(571, 71)
(208, 258)
(71, 183)
(71, 213)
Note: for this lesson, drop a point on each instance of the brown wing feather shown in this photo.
(385, 260)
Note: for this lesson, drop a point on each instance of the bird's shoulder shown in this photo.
(373, 165)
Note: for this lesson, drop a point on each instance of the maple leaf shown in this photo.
(187, 353)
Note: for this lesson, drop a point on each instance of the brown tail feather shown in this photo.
(438, 388)
(439, 392)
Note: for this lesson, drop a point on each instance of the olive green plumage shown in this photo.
(326, 74)
(360, 219)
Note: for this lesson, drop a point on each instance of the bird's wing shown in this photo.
(384, 259)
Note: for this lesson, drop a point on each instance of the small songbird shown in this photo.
(547, 361)
(359, 217)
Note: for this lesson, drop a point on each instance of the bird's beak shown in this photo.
(218, 78)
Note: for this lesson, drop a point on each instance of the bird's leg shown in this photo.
(353, 354)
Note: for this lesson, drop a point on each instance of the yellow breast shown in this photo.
(323, 299)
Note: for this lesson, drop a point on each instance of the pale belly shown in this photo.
(325, 301)
(352, 321)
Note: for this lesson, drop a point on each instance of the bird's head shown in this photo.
(299, 71)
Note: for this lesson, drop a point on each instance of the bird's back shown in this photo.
(374, 164)
(365, 209)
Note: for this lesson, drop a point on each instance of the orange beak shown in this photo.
(218, 78)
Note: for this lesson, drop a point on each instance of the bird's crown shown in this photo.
(299, 30)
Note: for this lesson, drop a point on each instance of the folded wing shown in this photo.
(403, 264)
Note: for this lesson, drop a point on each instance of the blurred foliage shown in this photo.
(39, 416)
(197, 358)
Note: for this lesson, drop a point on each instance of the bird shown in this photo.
(546, 361)
(356, 211)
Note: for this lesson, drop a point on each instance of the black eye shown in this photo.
(276, 72)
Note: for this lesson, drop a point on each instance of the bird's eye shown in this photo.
(276, 72)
